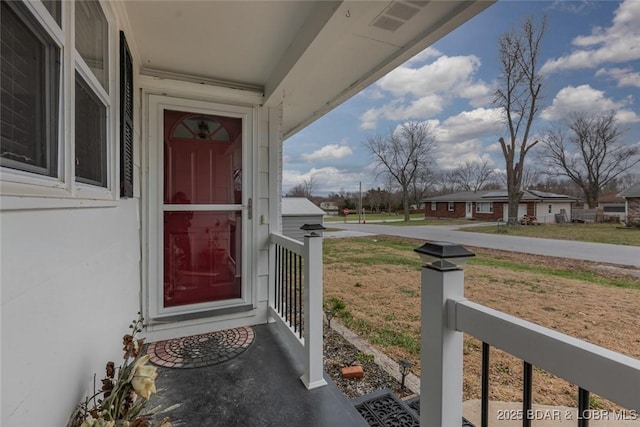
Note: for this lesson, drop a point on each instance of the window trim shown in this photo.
(451, 206)
(434, 206)
(19, 184)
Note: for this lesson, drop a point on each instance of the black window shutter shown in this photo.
(126, 119)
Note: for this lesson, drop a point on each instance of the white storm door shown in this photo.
(199, 206)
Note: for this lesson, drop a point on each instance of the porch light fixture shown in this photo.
(204, 129)
(405, 365)
(313, 229)
(444, 255)
(329, 314)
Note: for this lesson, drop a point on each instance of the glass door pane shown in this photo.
(202, 208)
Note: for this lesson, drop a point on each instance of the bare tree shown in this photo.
(303, 190)
(517, 95)
(421, 185)
(296, 191)
(627, 180)
(377, 198)
(403, 153)
(444, 182)
(473, 176)
(592, 155)
(529, 177)
(309, 185)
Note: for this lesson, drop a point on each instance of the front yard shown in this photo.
(374, 285)
(588, 232)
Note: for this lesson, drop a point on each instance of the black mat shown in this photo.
(384, 409)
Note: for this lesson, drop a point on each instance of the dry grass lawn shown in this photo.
(378, 283)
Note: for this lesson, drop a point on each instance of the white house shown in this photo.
(142, 147)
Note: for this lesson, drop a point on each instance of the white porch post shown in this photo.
(313, 376)
(441, 345)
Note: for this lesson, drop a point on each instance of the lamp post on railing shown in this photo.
(314, 372)
(441, 345)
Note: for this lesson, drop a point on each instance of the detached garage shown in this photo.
(296, 212)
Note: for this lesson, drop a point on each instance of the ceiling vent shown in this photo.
(397, 13)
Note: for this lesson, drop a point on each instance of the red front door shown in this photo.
(202, 208)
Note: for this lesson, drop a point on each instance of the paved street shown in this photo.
(599, 252)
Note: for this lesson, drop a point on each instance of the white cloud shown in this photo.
(493, 148)
(469, 124)
(624, 76)
(452, 155)
(375, 94)
(444, 74)
(329, 152)
(585, 99)
(397, 110)
(327, 179)
(424, 91)
(618, 43)
(423, 56)
(627, 116)
(576, 7)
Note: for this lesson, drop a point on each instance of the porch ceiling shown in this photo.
(309, 55)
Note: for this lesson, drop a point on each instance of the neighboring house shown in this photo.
(632, 204)
(296, 212)
(612, 205)
(141, 165)
(331, 208)
(492, 205)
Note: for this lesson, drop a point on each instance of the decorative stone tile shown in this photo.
(201, 350)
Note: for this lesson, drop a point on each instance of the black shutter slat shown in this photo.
(126, 119)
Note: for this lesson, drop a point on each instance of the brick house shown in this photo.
(492, 205)
(632, 204)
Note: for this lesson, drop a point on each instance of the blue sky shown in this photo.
(591, 63)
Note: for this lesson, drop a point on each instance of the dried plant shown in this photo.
(124, 391)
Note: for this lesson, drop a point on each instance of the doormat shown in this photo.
(383, 408)
(202, 350)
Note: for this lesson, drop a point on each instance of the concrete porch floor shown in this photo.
(259, 387)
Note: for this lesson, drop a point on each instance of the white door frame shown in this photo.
(155, 105)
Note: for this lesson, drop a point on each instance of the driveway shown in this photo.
(598, 252)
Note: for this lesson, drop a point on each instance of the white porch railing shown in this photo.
(295, 298)
(446, 315)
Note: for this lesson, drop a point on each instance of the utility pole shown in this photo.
(360, 207)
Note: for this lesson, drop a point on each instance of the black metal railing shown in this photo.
(289, 285)
(583, 415)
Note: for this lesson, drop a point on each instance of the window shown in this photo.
(92, 34)
(91, 137)
(484, 207)
(30, 71)
(434, 206)
(550, 208)
(90, 105)
(36, 78)
(451, 206)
